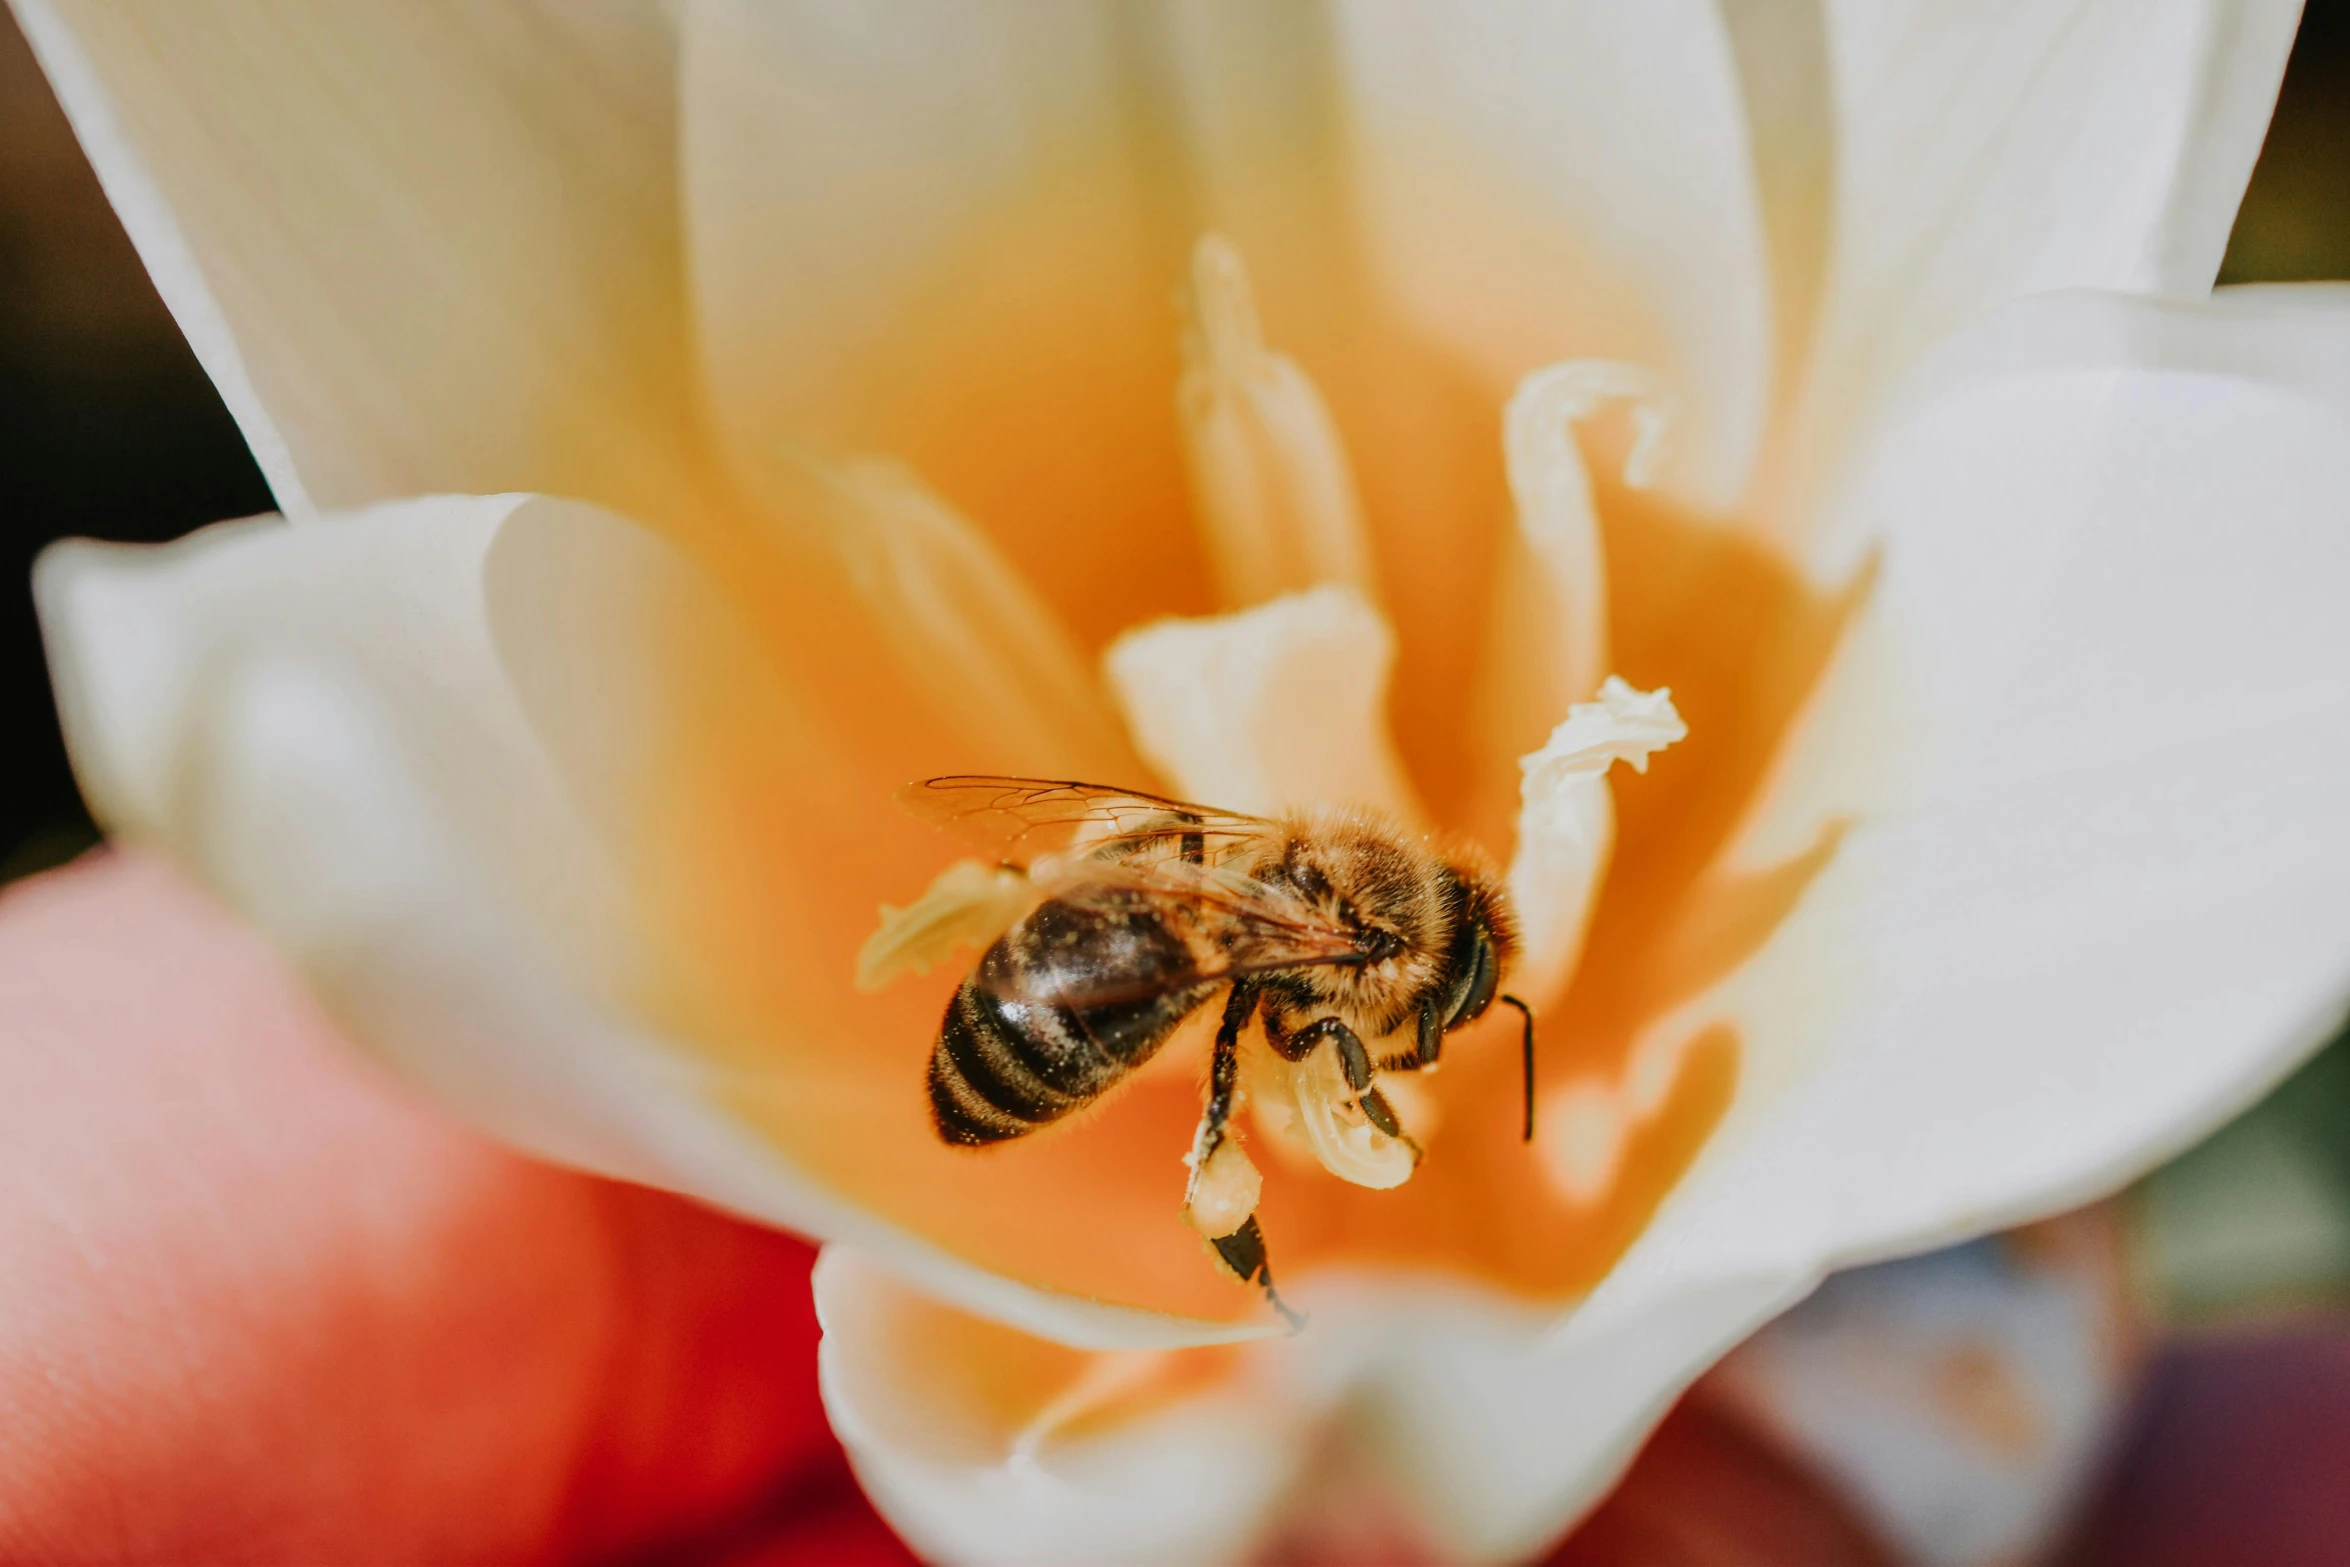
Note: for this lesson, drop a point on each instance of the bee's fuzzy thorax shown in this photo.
(1372, 872)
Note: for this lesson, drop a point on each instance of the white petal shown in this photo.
(1459, 1409)
(982, 1445)
(418, 249)
(2096, 895)
(968, 906)
(1409, 1420)
(1985, 152)
(418, 747)
(1545, 181)
(2111, 543)
(1278, 707)
(140, 637)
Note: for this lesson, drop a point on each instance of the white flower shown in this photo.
(1996, 571)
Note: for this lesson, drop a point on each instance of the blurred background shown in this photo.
(2228, 1438)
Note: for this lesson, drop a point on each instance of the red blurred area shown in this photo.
(1707, 1493)
(2239, 1452)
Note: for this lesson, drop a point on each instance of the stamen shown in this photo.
(1624, 725)
(1267, 708)
(1547, 636)
(1556, 517)
(969, 903)
(1339, 1131)
(1549, 402)
(1566, 820)
(1269, 474)
(994, 658)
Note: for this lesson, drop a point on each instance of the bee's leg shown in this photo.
(1353, 1059)
(1224, 1072)
(1431, 1041)
(1243, 1251)
(1351, 1054)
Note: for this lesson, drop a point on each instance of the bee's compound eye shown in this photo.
(1475, 980)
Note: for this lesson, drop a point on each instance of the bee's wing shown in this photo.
(1020, 819)
(1248, 926)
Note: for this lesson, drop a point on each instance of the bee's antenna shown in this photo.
(1528, 1013)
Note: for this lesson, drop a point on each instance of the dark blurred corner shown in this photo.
(2239, 1454)
(107, 427)
(2294, 225)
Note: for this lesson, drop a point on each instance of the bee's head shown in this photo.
(1484, 938)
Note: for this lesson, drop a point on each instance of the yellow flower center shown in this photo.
(873, 581)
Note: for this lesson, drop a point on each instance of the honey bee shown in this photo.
(1334, 931)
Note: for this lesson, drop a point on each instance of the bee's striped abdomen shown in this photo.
(1010, 1059)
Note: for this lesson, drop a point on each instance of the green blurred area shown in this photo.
(2255, 1221)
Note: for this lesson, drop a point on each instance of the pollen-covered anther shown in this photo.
(970, 903)
(1341, 1134)
(1224, 1191)
(1566, 821)
(1625, 725)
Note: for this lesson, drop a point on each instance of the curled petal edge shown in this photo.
(282, 773)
